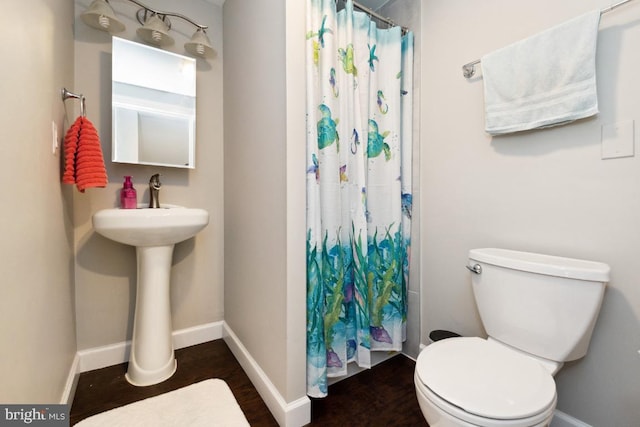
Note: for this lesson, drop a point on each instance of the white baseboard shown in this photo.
(114, 354)
(106, 355)
(560, 419)
(72, 382)
(293, 414)
(198, 334)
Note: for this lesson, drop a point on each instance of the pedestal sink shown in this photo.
(153, 232)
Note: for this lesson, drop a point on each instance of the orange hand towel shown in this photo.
(70, 148)
(84, 163)
(92, 173)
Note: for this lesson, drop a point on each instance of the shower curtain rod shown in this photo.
(469, 69)
(379, 17)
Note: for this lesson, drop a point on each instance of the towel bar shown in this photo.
(66, 95)
(469, 69)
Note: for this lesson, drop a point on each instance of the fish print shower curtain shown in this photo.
(359, 98)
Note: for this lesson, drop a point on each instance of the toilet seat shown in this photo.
(472, 378)
(444, 414)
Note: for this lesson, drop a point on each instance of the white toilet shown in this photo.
(539, 311)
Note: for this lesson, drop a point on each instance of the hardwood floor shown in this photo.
(362, 400)
(382, 396)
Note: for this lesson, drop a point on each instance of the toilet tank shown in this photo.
(541, 304)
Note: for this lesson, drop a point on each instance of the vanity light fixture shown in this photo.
(100, 15)
(155, 29)
(199, 44)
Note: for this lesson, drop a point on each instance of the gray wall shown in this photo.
(105, 272)
(36, 248)
(545, 191)
(264, 197)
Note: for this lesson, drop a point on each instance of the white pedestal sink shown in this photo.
(153, 232)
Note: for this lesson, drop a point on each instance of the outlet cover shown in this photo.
(618, 140)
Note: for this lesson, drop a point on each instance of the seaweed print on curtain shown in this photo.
(359, 99)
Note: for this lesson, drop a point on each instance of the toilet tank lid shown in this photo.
(543, 264)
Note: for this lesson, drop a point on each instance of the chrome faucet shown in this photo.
(154, 191)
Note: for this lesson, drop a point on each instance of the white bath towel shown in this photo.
(545, 80)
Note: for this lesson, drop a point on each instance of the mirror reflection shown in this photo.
(153, 106)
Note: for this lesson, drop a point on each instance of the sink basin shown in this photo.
(167, 225)
(154, 233)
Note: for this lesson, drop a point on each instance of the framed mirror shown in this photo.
(153, 106)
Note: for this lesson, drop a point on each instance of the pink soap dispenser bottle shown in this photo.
(128, 196)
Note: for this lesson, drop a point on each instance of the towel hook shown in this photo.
(66, 95)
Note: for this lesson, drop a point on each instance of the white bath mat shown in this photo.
(207, 403)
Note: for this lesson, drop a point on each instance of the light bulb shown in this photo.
(104, 21)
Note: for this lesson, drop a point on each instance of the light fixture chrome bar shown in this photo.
(379, 17)
(469, 69)
(155, 26)
(162, 14)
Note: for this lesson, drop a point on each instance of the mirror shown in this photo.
(153, 106)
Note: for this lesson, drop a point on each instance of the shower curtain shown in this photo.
(359, 97)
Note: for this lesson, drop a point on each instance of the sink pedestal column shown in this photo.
(152, 357)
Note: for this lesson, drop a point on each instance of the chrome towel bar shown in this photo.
(469, 69)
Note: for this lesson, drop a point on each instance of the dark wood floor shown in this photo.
(362, 400)
(382, 396)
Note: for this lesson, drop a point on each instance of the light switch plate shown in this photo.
(54, 137)
(618, 140)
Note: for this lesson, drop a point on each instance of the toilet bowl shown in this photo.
(539, 311)
(476, 382)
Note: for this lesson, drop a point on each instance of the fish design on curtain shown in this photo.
(359, 108)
